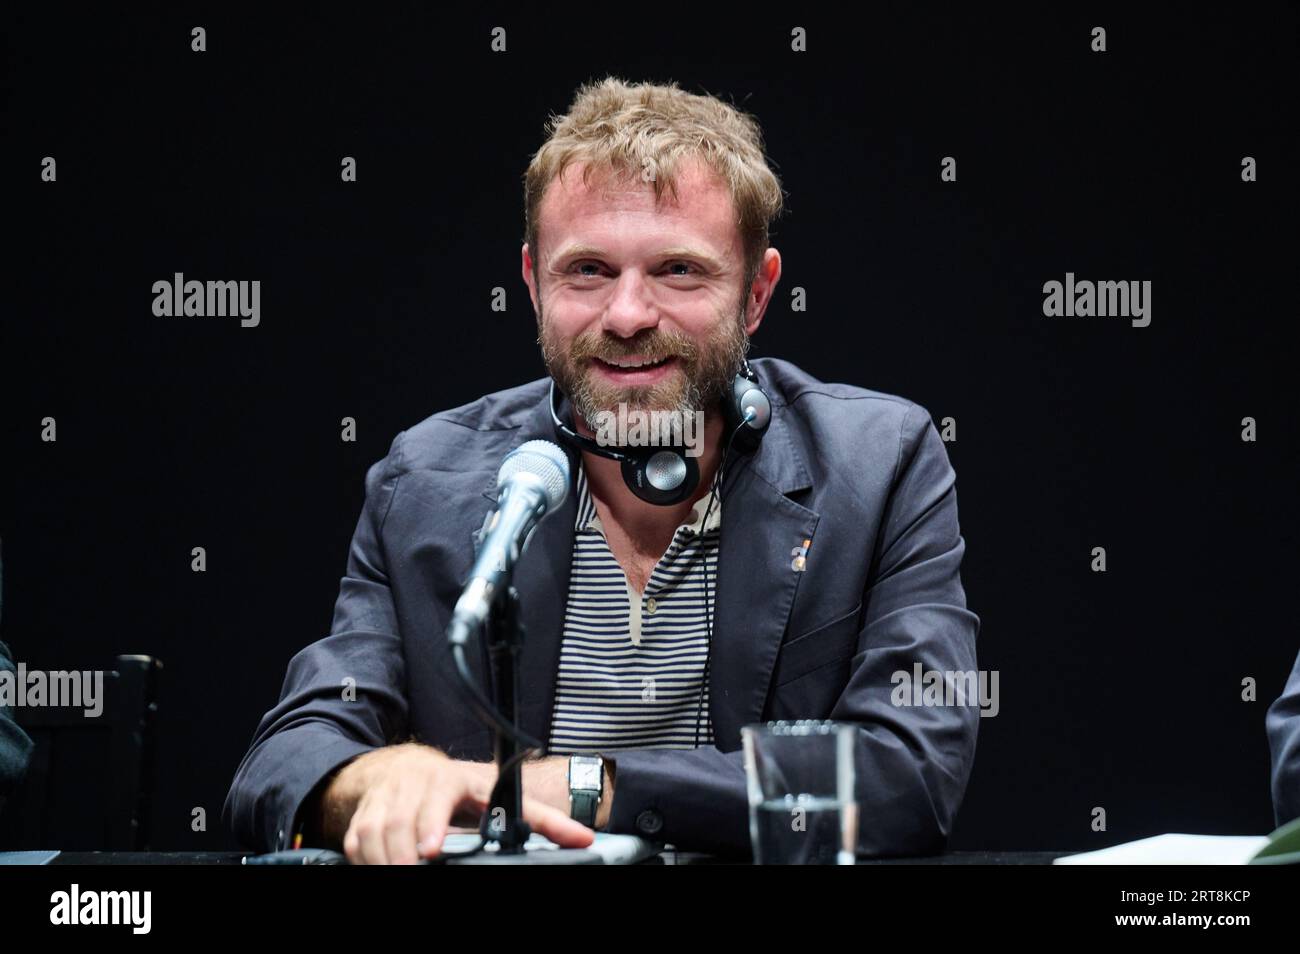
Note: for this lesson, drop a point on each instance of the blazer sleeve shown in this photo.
(15, 744)
(1282, 725)
(912, 762)
(342, 696)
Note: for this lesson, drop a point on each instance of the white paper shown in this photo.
(1174, 850)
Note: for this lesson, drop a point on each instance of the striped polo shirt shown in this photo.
(632, 664)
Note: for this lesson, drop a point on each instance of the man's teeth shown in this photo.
(628, 363)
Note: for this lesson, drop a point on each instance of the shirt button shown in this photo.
(651, 605)
(649, 822)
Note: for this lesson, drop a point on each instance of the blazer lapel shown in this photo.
(542, 579)
(756, 582)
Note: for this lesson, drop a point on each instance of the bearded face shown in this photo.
(658, 368)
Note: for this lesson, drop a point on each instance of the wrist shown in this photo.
(335, 800)
(342, 790)
(587, 787)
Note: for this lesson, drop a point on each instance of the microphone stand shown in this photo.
(525, 497)
(504, 638)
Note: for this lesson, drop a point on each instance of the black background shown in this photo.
(1119, 689)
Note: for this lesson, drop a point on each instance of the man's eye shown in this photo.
(584, 265)
(687, 266)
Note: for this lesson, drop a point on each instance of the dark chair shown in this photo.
(89, 781)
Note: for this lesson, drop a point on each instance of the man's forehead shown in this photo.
(702, 205)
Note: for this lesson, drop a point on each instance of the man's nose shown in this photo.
(630, 309)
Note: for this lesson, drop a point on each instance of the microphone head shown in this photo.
(544, 460)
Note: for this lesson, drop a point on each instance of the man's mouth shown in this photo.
(633, 363)
(634, 369)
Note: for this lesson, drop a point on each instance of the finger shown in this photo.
(352, 844)
(399, 822)
(557, 826)
(431, 826)
(472, 798)
(460, 800)
(367, 825)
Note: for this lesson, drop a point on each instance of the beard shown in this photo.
(701, 379)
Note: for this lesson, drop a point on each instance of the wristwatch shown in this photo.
(586, 783)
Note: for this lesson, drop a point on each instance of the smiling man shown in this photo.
(809, 553)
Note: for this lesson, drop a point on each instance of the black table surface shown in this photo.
(668, 857)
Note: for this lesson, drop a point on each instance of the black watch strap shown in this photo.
(583, 807)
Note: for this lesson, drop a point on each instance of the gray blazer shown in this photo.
(15, 744)
(1282, 725)
(863, 475)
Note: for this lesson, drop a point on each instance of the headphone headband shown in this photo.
(571, 434)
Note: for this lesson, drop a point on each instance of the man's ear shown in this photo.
(528, 269)
(759, 295)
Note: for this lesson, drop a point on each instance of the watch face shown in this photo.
(584, 775)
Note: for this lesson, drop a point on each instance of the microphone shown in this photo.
(532, 482)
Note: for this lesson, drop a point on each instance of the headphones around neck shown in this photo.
(668, 475)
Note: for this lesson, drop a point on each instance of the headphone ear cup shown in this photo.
(745, 394)
(662, 477)
(756, 399)
(657, 475)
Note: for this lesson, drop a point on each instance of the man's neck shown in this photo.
(639, 519)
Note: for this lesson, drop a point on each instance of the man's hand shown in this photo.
(395, 804)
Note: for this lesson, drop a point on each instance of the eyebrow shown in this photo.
(595, 251)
